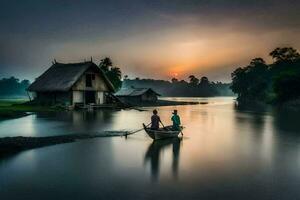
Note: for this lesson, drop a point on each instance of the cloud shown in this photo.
(145, 38)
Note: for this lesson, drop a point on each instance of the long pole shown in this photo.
(181, 132)
(162, 124)
(28, 95)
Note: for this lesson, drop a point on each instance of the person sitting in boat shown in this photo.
(176, 121)
(155, 120)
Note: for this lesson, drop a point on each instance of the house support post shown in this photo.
(28, 95)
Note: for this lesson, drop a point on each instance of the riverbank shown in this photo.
(11, 108)
(16, 108)
(292, 105)
(12, 145)
(166, 103)
(9, 111)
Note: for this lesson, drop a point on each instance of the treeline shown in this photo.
(13, 87)
(181, 88)
(277, 82)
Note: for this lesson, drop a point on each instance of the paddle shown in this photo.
(148, 124)
(163, 125)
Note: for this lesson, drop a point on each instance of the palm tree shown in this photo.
(106, 64)
(116, 71)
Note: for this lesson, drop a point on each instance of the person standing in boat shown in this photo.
(155, 120)
(176, 121)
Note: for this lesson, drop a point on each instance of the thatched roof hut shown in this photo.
(72, 83)
(137, 96)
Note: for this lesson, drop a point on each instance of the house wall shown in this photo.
(149, 96)
(97, 85)
(78, 97)
(49, 98)
(131, 100)
(100, 98)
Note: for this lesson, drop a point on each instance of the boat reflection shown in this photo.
(153, 155)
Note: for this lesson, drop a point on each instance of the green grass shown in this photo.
(9, 102)
(14, 108)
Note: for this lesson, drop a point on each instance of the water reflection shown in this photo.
(286, 121)
(58, 123)
(155, 150)
(228, 152)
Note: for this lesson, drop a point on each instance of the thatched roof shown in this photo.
(61, 77)
(134, 92)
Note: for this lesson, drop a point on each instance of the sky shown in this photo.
(156, 39)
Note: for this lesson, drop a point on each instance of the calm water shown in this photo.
(225, 153)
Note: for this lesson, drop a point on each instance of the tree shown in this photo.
(257, 61)
(287, 85)
(239, 83)
(251, 82)
(105, 64)
(193, 80)
(183, 82)
(13, 87)
(181, 88)
(114, 74)
(284, 54)
(116, 71)
(277, 82)
(204, 81)
(174, 80)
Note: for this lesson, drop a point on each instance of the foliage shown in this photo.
(251, 82)
(277, 82)
(105, 64)
(114, 74)
(12, 86)
(193, 80)
(287, 85)
(182, 88)
(14, 108)
(204, 81)
(285, 54)
(174, 80)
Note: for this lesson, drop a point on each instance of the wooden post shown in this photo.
(28, 95)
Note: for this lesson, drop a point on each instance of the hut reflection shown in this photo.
(153, 155)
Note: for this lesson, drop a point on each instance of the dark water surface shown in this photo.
(225, 153)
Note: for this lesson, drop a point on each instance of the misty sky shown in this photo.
(145, 38)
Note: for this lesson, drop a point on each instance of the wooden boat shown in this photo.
(162, 133)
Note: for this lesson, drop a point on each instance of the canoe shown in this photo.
(162, 133)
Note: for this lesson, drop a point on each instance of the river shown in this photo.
(225, 153)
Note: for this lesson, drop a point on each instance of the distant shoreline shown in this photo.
(166, 103)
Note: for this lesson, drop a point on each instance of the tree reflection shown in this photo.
(287, 121)
(154, 151)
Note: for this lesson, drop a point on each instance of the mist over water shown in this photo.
(224, 153)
